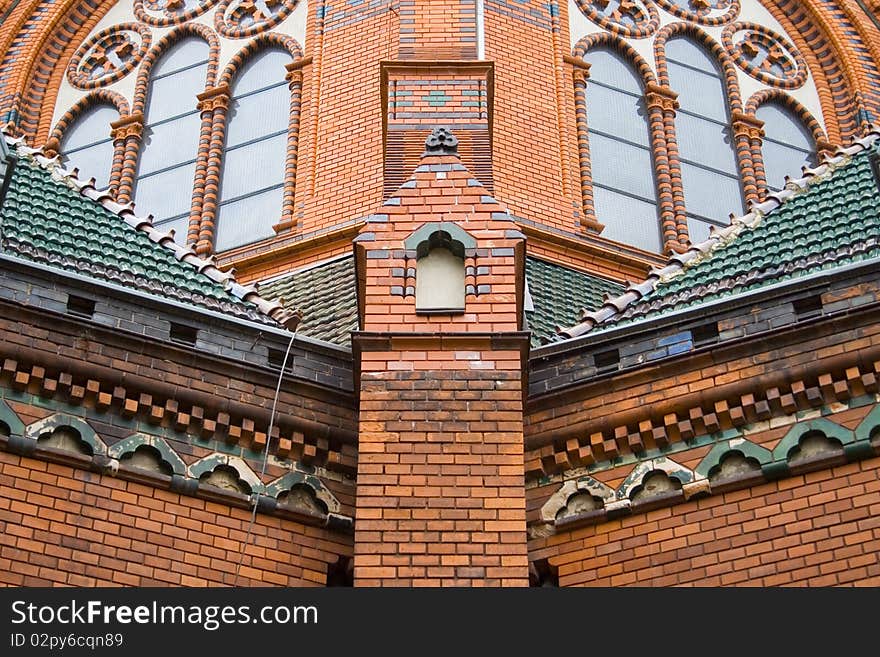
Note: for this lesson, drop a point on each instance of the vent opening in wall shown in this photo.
(80, 306)
(184, 334)
(276, 359)
(607, 361)
(808, 307)
(705, 334)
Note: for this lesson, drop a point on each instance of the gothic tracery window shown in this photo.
(787, 145)
(171, 135)
(624, 195)
(709, 169)
(88, 146)
(252, 185)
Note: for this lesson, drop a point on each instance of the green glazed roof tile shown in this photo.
(51, 217)
(827, 219)
(327, 293)
(559, 295)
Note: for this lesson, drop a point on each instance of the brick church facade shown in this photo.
(421, 293)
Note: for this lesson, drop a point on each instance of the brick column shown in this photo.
(441, 498)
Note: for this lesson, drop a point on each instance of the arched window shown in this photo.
(709, 171)
(624, 193)
(254, 158)
(167, 165)
(88, 146)
(787, 144)
(440, 286)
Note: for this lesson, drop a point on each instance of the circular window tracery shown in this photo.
(630, 18)
(236, 19)
(704, 12)
(162, 13)
(108, 56)
(765, 55)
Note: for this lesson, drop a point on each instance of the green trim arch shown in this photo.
(11, 420)
(783, 449)
(735, 445)
(296, 478)
(58, 420)
(130, 444)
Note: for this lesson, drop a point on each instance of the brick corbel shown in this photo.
(127, 133)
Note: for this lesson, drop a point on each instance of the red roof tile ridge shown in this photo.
(207, 267)
(719, 237)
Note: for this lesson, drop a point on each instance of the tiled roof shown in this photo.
(49, 216)
(560, 295)
(327, 295)
(827, 219)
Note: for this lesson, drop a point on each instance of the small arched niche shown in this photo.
(440, 272)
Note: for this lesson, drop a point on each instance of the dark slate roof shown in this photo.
(827, 219)
(49, 216)
(560, 295)
(327, 295)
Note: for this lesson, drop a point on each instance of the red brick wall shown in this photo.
(440, 478)
(816, 529)
(64, 526)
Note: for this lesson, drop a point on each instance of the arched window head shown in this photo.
(440, 275)
(709, 169)
(787, 144)
(88, 146)
(255, 155)
(167, 165)
(622, 165)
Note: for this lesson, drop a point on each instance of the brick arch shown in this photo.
(621, 47)
(46, 41)
(97, 97)
(782, 98)
(93, 98)
(716, 51)
(154, 53)
(802, 113)
(256, 45)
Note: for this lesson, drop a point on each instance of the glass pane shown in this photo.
(705, 142)
(255, 166)
(616, 113)
(248, 219)
(166, 194)
(698, 93)
(627, 219)
(710, 194)
(180, 55)
(687, 52)
(170, 143)
(783, 126)
(622, 166)
(610, 68)
(781, 161)
(698, 230)
(93, 162)
(175, 94)
(91, 126)
(179, 225)
(261, 71)
(259, 114)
